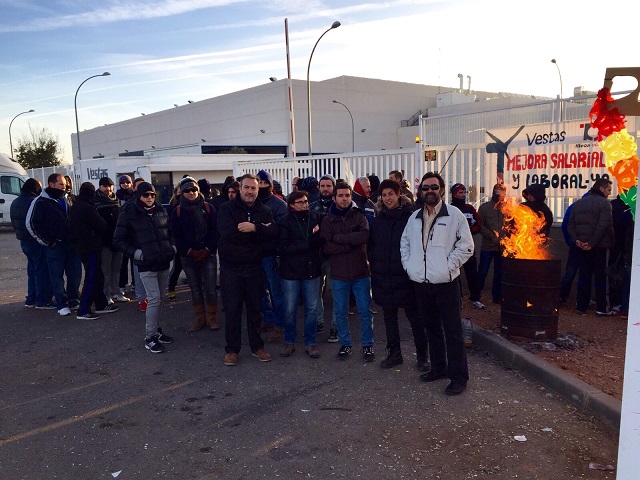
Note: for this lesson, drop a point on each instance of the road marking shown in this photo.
(93, 413)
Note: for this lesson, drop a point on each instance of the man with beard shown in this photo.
(492, 222)
(434, 245)
(47, 221)
(108, 207)
(246, 227)
(322, 206)
(345, 233)
(273, 300)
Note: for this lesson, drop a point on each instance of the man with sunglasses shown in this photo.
(434, 245)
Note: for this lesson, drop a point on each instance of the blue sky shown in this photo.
(166, 52)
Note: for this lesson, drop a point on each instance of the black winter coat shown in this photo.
(238, 248)
(299, 246)
(19, 208)
(390, 283)
(87, 225)
(345, 240)
(109, 209)
(183, 228)
(136, 229)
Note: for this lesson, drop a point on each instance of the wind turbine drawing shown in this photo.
(500, 148)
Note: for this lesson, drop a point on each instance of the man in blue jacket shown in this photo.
(47, 221)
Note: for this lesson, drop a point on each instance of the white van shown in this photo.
(12, 177)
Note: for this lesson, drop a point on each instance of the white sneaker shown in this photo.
(477, 304)
(64, 312)
(120, 298)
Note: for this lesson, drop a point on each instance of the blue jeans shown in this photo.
(202, 278)
(38, 281)
(63, 259)
(483, 270)
(272, 300)
(362, 291)
(291, 293)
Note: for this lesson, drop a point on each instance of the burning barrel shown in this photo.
(530, 298)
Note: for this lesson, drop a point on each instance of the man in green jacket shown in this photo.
(492, 221)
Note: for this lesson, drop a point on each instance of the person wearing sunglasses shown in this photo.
(142, 233)
(434, 245)
(194, 228)
(300, 267)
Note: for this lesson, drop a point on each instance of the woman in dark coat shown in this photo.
(300, 268)
(142, 233)
(390, 284)
(195, 230)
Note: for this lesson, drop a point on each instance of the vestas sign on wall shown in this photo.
(565, 158)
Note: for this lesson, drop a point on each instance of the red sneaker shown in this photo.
(142, 305)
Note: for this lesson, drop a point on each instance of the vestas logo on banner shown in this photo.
(97, 173)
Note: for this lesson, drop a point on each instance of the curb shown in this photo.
(603, 407)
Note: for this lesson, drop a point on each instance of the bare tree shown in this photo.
(40, 148)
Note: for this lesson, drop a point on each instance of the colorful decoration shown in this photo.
(619, 147)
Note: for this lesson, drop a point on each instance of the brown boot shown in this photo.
(201, 319)
(276, 335)
(212, 316)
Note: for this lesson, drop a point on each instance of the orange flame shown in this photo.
(522, 237)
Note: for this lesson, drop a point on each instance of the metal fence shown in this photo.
(42, 174)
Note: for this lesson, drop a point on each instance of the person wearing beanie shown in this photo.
(491, 229)
(88, 228)
(272, 301)
(361, 194)
(125, 192)
(194, 225)
(142, 233)
(458, 200)
(310, 185)
(277, 190)
(108, 207)
(38, 282)
(47, 221)
(535, 196)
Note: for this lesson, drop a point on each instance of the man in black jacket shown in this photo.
(88, 227)
(591, 229)
(108, 207)
(246, 228)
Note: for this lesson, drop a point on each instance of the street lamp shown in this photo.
(553, 60)
(75, 107)
(353, 138)
(10, 142)
(335, 24)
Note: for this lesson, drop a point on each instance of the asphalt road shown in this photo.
(85, 400)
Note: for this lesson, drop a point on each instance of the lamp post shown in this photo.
(353, 138)
(553, 60)
(75, 107)
(10, 142)
(335, 24)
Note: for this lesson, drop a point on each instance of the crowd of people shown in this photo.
(373, 242)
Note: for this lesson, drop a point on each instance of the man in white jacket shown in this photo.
(435, 243)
